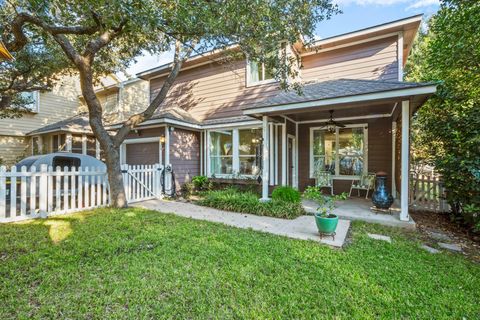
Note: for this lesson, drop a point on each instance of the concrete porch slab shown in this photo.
(302, 228)
(359, 209)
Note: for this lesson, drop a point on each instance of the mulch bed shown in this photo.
(428, 222)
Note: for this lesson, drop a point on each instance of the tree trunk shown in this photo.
(115, 179)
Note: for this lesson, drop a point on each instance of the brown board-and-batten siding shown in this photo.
(379, 152)
(184, 155)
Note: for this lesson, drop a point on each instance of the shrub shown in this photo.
(232, 199)
(187, 189)
(313, 193)
(286, 193)
(201, 183)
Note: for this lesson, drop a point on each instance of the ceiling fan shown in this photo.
(331, 124)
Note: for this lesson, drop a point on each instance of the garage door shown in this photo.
(142, 153)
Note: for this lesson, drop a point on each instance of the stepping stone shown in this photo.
(450, 246)
(439, 236)
(430, 249)
(380, 237)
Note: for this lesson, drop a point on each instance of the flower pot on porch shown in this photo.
(326, 224)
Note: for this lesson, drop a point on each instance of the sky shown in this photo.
(357, 14)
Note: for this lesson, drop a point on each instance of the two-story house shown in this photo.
(233, 120)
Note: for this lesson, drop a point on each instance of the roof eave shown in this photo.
(381, 95)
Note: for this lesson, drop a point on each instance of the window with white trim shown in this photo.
(343, 152)
(31, 100)
(221, 152)
(235, 151)
(258, 73)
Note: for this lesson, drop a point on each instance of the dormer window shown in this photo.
(258, 73)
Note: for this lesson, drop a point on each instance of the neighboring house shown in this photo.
(225, 120)
(73, 133)
(47, 108)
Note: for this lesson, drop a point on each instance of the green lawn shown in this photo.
(136, 263)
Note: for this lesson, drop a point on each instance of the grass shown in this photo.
(140, 264)
(232, 199)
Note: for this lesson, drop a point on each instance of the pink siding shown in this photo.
(371, 60)
(219, 90)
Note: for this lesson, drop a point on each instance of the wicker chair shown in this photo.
(364, 182)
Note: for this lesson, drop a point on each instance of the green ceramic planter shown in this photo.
(326, 224)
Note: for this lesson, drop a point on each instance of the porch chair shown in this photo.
(364, 182)
(323, 179)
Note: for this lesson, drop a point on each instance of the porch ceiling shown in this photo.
(345, 111)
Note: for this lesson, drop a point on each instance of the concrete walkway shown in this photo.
(360, 209)
(303, 227)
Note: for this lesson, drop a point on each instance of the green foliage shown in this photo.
(141, 264)
(286, 193)
(247, 202)
(447, 127)
(326, 202)
(201, 183)
(187, 189)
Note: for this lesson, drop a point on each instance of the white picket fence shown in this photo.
(31, 194)
(143, 182)
(427, 193)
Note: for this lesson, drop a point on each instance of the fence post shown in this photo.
(13, 193)
(43, 191)
(50, 190)
(33, 190)
(3, 188)
(23, 191)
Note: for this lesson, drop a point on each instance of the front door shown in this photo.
(291, 161)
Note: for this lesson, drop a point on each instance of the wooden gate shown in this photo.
(142, 182)
(427, 193)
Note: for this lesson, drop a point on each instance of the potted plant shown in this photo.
(325, 220)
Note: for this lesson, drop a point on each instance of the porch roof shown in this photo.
(341, 92)
(78, 123)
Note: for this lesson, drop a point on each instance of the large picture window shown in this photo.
(221, 152)
(342, 153)
(235, 151)
(249, 151)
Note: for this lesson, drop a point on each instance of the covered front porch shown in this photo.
(375, 126)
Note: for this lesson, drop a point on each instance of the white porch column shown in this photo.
(68, 142)
(271, 143)
(284, 154)
(394, 134)
(167, 145)
(405, 172)
(265, 158)
(84, 144)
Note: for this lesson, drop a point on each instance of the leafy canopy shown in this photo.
(449, 124)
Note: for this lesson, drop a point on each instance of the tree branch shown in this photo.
(104, 39)
(22, 18)
(138, 118)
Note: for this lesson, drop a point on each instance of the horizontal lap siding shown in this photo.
(13, 148)
(142, 153)
(60, 103)
(372, 60)
(379, 152)
(213, 91)
(184, 155)
(149, 133)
